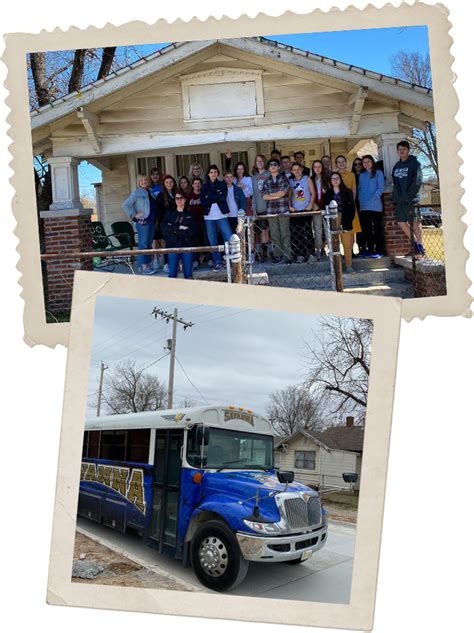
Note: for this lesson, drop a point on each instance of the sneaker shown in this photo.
(195, 265)
(276, 260)
(376, 256)
(349, 270)
(312, 259)
(300, 259)
(166, 268)
(420, 250)
(218, 267)
(210, 263)
(148, 271)
(156, 264)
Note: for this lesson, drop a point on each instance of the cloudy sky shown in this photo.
(229, 355)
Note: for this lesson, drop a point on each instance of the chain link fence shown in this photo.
(428, 274)
(288, 251)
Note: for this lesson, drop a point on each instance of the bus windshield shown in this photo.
(232, 449)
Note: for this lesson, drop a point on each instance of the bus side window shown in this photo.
(85, 444)
(138, 446)
(112, 445)
(93, 446)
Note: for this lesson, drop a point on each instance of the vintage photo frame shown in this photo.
(457, 299)
(385, 313)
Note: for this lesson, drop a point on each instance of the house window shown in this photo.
(305, 459)
(277, 459)
(184, 161)
(146, 163)
(222, 93)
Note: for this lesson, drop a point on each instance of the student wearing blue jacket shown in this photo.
(236, 200)
(139, 209)
(216, 211)
(370, 190)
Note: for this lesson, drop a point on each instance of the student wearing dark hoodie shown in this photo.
(407, 179)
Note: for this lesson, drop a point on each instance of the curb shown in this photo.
(139, 561)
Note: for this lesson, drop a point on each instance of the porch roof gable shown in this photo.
(390, 87)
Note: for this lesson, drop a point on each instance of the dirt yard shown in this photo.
(341, 506)
(118, 570)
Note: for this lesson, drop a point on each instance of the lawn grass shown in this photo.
(433, 241)
(341, 499)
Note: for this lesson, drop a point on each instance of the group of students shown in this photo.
(201, 208)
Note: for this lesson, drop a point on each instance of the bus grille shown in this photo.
(301, 514)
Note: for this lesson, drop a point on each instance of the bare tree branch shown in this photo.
(108, 55)
(130, 389)
(294, 408)
(339, 366)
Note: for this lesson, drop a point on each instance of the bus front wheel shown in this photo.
(216, 557)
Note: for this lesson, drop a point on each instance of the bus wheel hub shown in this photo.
(213, 556)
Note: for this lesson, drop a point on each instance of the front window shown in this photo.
(232, 449)
(305, 459)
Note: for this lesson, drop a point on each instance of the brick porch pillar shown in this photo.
(66, 228)
(396, 242)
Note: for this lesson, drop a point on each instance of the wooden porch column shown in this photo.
(67, 228)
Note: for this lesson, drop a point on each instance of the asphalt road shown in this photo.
(325, 577)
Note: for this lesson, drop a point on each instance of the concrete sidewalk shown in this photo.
(325, 577)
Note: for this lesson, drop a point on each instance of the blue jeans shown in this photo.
(145, 234)
(173, 261)
(225, 231)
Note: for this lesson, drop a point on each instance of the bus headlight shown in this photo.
(263, 528)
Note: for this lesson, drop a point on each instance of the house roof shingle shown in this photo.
(344, 438)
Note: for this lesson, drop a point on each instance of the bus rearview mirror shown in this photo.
(285, 476)
(202, 435)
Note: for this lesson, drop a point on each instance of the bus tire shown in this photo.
(216, 557)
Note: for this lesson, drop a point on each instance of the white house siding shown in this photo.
(358, 470)
(115, 188)
(334, 463)
(329, 465)
(305, 476)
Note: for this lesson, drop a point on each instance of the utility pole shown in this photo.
(103, 367)
(171, 345)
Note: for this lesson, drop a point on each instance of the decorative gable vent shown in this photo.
(222, 93)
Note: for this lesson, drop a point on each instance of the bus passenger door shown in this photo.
(166, 483)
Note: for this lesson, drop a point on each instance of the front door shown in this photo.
(166, 481)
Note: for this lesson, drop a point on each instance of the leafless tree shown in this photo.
(415, 68)
(339, 366)
(130, 389)
(293, 408)
(186, 402)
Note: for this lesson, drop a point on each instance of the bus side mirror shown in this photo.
(285, 476)
(350, 478)
(202, 435)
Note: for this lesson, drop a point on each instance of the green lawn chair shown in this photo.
(101, 241)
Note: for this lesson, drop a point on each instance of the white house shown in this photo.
(190, 101)
(319, 458)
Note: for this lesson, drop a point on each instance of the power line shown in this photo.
(99, 346)
(155, 361)
(190, 381)
(225, 316)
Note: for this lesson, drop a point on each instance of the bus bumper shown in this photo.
(281, 548)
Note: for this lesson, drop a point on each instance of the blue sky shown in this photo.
(368, 48)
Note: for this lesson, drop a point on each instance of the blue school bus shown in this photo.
(200, 483)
